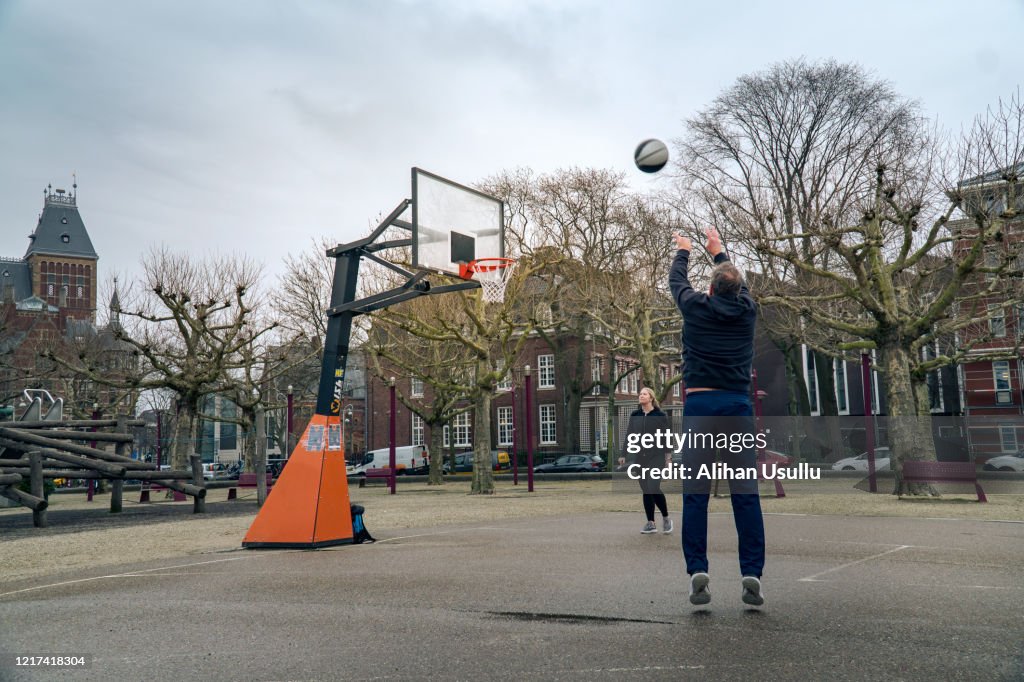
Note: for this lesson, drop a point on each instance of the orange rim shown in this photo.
(467, 270)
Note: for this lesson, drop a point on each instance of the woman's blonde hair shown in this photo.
(654, 399)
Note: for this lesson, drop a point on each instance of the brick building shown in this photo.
(48, 302)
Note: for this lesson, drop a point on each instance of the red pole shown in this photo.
(758, 396)
(391, 455)
(515, 453)
(92, 482)
(288, 432)
(529, 435)
(159, 435)
(869, 422)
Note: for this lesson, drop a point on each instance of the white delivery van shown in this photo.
(409, 459)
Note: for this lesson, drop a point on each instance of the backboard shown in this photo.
(453, 224)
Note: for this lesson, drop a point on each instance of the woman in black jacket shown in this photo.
(649, 419)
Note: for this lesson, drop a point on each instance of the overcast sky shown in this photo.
(258, 126)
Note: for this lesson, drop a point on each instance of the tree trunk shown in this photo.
(186, 436)
(261, 458)
(910, 436)
(249, 444)
(573, 400)
(799, 404)
(483, 477)
(436, 453)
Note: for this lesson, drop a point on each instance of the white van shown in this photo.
(409, 459)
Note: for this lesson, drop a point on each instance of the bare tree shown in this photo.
(443, 368)
(188, 325)
(902, 273)
(778, 154)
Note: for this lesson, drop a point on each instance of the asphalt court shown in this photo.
(578, 597)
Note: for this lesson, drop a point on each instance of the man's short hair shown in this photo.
(726, 280)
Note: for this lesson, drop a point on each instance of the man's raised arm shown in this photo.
(678, 279)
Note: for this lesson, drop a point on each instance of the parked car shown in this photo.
(1006, 463)
(500, 461)
(571, 463)
(212, 470)
(860, 462)
(409, 459)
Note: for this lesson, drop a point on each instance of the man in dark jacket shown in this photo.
(718, 349)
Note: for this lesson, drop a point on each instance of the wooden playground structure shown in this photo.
(42, 446)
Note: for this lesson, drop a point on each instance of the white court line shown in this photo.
(891, 544)
(443, 532)
(811, 578)
(134, 574)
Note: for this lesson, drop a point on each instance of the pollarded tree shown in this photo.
(905, 274)
(777, 154)
(443, 368)
(188, 326)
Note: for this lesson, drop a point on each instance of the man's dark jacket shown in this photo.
(718, 331)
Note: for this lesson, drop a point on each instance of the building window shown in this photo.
(461, 423)
(996, 321)
(416, 390)
(504, 426)
(596, 373)
(677, 388)
(991, 261)
(548, 435)
(842, 403)
(545, 371)
(505, 383)
(1001, 381)
(811, 380)
(417, 429)
(446, 436)
(1008, 438)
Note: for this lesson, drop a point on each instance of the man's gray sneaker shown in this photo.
(649, 528)
(699, 592)
(666, 525)
(752, 591)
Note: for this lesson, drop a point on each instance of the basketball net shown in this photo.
(493, 275)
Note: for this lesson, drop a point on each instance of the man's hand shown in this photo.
(682, 242)
(714, 246)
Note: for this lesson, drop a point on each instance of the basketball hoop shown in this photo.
(492, 273)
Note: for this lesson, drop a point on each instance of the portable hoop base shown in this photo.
(492, 273)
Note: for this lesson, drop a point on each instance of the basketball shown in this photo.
(651, 156)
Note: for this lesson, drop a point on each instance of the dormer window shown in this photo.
(66, 238)
(64, 220)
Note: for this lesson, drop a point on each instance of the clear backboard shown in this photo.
(453, 224)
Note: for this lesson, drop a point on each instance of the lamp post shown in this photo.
(391, 430)
(758, 408)
(346, 432)
(515, 451)
(289, 424)
(529, 431)
(92, 482)
(869, 420)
